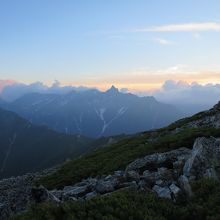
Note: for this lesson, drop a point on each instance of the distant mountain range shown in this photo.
(93, 113)
(25, 147)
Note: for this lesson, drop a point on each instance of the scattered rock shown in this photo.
(162, 192)
(132, 175)
(154, 161)
(175, 191)
(90, 195)
(119, 173)
(75, 191)
(105, 186)
(168, 174)
(57, 193)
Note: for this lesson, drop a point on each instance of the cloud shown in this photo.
(124, 90)
(4, 83)
(14, 91)
(184, 27)
(191, 97)
(164, 41)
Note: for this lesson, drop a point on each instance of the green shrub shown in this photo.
(123, 205)
(117, 156)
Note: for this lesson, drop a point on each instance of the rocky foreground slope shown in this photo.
(168, 165)
(168, 174)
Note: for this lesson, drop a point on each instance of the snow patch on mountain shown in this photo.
(106, 124)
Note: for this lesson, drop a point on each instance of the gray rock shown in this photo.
(162, 192)
(179, 163)
(204, 160)
(105, 186)
(175, 191)
(119, 173)
(15, 194)
(132, 175)
(57, 193)
(184, 185)
(149, 177)
(160, 182)
(75, 191)
(109, 177)
(143, 185)
(130, 185)
(90, 195)
(41, 194)
(91, 182)
(158, 160)
(162, 175)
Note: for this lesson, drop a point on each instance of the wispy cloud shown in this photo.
(184, 27)
(164, 41)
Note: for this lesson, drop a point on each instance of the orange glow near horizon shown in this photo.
(141, 82)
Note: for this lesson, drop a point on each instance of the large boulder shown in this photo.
(154, 161)
(106, 186)
(204, 160)
(162, 175)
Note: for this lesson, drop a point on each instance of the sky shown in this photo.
(135, 44)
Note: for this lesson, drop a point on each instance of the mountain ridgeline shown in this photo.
(25, 147)
(93, 113)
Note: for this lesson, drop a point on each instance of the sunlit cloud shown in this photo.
(4, 83)
(185, 27)
(148, 79)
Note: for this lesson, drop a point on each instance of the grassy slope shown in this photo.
(131, 204)
(117, 156)
(125, 205)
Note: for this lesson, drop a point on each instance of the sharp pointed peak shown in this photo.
(113, 89)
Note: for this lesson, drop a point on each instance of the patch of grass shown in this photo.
(117, 156)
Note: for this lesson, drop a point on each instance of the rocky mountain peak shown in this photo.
(113, 90)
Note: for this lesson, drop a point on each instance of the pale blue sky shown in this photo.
(116, 41)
